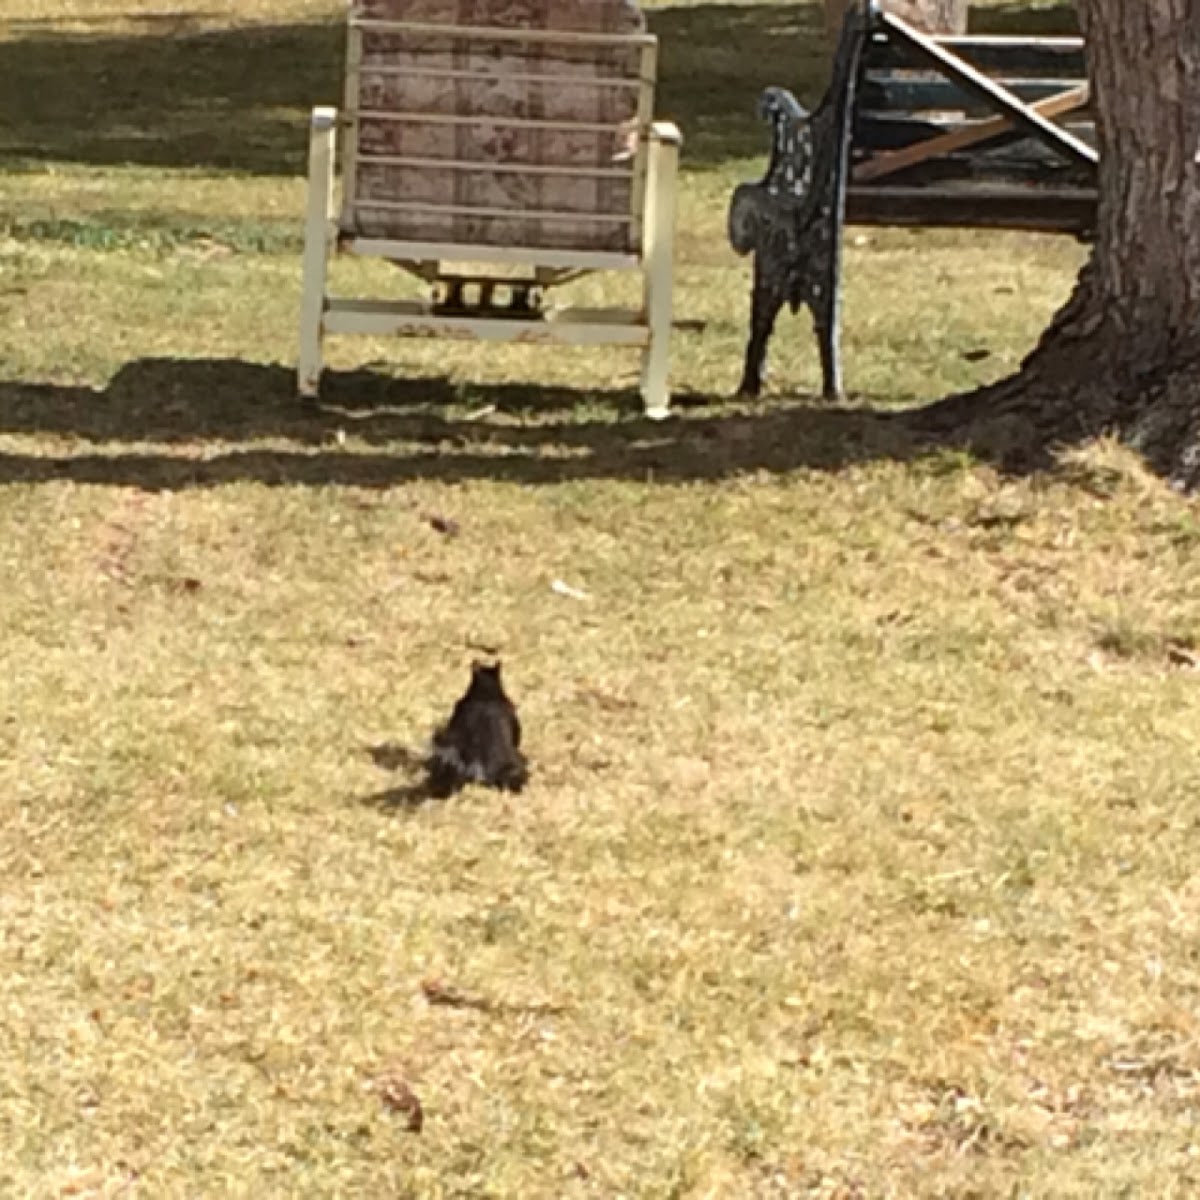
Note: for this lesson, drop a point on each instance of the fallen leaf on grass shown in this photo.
(116, 570)
(448, 996)
(437, 992)
(1183, 656)
(446, 525)
(397, 1096)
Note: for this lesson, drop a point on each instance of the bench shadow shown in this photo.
(173, 424)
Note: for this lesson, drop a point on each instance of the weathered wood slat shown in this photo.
(976, 171)
(1064, 210)
(901, 93)
(965, 137)
(880, 133)
(987, 89)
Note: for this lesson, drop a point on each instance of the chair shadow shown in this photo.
(177, 400)
(175, 424)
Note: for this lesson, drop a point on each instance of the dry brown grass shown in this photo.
(858, 858)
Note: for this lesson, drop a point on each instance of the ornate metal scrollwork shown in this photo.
(791, 220)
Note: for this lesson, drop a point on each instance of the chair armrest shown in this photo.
(666, 132)
(322, 153)
(324, 118)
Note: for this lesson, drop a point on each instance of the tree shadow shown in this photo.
(172, 94)
(227, 99)
(718, 58)
(169, 424)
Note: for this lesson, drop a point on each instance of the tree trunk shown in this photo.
(1145, 282)
(933, 16)
(1124, 353)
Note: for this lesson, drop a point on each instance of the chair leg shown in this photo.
(769, 296)
(828, 327)
(659, 255)
(322, 136)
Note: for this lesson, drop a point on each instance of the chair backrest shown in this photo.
(501, 123)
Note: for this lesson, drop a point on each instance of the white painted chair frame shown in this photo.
(653, 223)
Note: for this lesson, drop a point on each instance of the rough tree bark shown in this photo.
(1123, 355)
(933, 16)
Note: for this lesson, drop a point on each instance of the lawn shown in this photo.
(856, 861)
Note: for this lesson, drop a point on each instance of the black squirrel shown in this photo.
(481, 743)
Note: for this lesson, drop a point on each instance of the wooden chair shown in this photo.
(495, 148)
